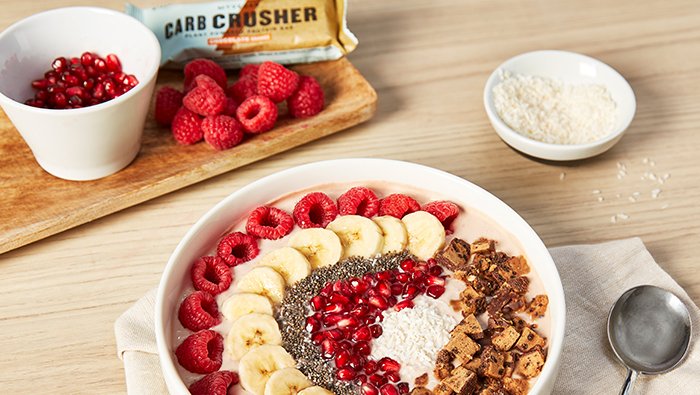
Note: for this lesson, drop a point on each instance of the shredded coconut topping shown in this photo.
(553, 111)
(413, 336)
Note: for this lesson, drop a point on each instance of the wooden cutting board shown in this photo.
(35, 204)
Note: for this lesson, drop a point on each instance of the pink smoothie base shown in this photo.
(482, 215)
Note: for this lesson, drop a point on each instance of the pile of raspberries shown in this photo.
(223, 115)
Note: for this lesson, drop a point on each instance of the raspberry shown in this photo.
(207, 98)
(201, 352)
(276, 81)
(216, 383)
(249, 70)
(199, 311)
(168, 101)
(269, 223)
(222, 132)
(315, 210)
(205, 67)
(244, 88)
(398, 205)
(358, 201)
(307, 100)
(210, 274)
(236, 248)
(186, 127)
(443, 210)
(257, 114)
(230, 107)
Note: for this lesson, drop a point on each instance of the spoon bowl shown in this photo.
(649, 331)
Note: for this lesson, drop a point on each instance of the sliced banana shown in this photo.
(320, 246)
(255, 368)
(252, 330)
(286, 381)
(426, 235)
(245, 303)
(395, 235)
(264, 281)
(359, 235)
(288, 262)
(316, 390)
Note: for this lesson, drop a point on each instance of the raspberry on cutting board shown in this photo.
(204, 67)
(244, 88)
(222, 132)
(258, 114)
(206, 98)
(187, 127)
(276, 81)
(308, 100)
(168, 101)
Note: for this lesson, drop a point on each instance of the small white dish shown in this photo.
(210, 227)
(84, 143)
(572, 68)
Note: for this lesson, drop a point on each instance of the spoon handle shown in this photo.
(629, 382)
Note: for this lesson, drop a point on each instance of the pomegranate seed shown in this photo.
(318, 338)
(421, 267)
(356, 362)
(55, 89)
(88, 83)
(377, 379)
(76, 91)
(388, 389)
(361, 378)
(328, 347)
(407, 265)
(75, 101)
(98, 92)
(387, 364)
(74, 60)
(59, 100)
(345, 374)
(34, 103)
(384, 289)
(378, 302)
(40, 83)
(406, 303)
(403, 388)
(334, 334)
(42, 95)
(376, 330)
(87, 58)
(340, 286)
(435, 270)
(380, 317)
(362, 334)
(370, 367)
(344, 345)
(348, 322)
(357, 285)
(392, 300)
(418, 277)
(318, 302)
(326, 290)
(332, 319)
(113, 63)
(435, 280)
(369, 389)
(91, 70)
(100, 65)
(360, 311)
(110, 87)
(362, 348)
(360, 300)
(342, 358)
(435, 291)
(333, 308)
(339, 298)
(393, 377)
(369, 279)
(385, 275)
(397, 289)
(59, 64)
(403, 277)
(80, 73)
(312, 324)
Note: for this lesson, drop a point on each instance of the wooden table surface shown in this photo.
(428, 62)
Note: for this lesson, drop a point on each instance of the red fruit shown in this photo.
(403, 388)
(269, 223)
(210, 274)
(359, 311)
(406, 303)
(407, 265)
(308, 100)
(168, 101)
(113, 63)
(379, 302)
(244, 88)
(393, 377)
(358, 201)
(199, 311)
(249, 70)
(397, 205)
(206, 98)
(276, 81)
(345, 374)
(387, 364)
(383, 288)
(337, 297)
(397, 289)
(216, 383)
(315, 210)
(342, 359)
(204, 67)
(317, 338)
(312, 324)
(377, 379)
(403, 277)
(363, 348)
(59, 64)
(230, 107)
(258, 114)
(236, 248)
(333, 334)
(357, 285)
(348, 322)
(201, 352)
(435, 270)
(186, 127)
(388, 389)
(318, 302)
(333, 308)
(376, 330)
(435, 291)
(362, 334)
(444, 211)
(434, 280)
(329, 348)
(222, 132)
(369, 389)
(371, 367)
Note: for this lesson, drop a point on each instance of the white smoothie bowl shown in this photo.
(85, 143)
(215, 223)
(568, 67)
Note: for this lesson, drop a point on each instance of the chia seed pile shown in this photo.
(295, 306)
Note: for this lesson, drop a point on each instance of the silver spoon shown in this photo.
(649, 331)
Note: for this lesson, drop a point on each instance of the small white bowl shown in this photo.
(85, 143)
(572, 68)
(207, 231)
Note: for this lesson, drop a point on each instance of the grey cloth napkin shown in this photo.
(594, 276)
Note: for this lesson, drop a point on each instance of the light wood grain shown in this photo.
(429, 62)
(162, 165)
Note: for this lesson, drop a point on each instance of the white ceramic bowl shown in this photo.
(207, 231)
(568, 67)
(90, 142)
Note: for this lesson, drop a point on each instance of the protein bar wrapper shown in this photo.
(237, 32)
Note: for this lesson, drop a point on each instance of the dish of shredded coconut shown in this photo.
(414, 336)
(553, 111)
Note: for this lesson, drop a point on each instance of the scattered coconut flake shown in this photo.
(665, 206)
(645, 160)
(623, 216)
(562, 176)
(613, 219)
(655, 193)
(632, 199)
(600, 198)
(596, 191)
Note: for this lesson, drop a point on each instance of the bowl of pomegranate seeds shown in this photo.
(76, 82)
(360, 277)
